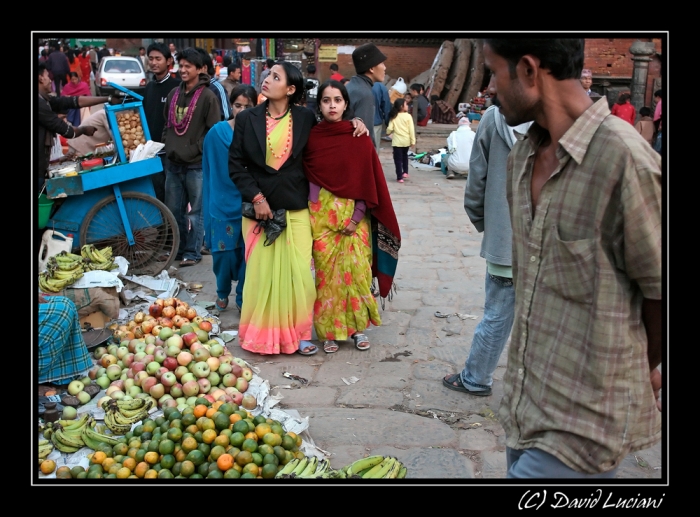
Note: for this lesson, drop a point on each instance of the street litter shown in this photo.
(351, 380)
(439, 314)
(296, 378)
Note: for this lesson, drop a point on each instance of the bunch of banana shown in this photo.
(307, 468)
(45, 448)
(58, 275)
(376, 467)
(67, 436)
(94, 440)
(120, 415)
(97, 259)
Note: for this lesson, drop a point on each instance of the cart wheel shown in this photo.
(154, 227)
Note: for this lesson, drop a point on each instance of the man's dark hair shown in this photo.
(659, 93)
(334, 67)
(563, 57)
(645, 111)
(232, 67)
(191, 55)
(40, 69)
(624, 97)
(311, 69)
(269, 63)
(206, 61)
(227, 60)
(142, 48)
(416, 86)
(160, 47)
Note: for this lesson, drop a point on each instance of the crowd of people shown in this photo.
(291, 200)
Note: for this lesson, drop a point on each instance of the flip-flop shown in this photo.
(330, 347)
(455, 378)
(361, 341)
(311, 349)
(221, 303)
(189, 262)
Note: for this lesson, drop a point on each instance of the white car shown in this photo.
(125, 71)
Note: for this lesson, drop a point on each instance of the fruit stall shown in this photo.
(166, 399)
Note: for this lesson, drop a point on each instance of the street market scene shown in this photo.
(308, 277)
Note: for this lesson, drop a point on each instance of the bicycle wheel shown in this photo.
(154, 228)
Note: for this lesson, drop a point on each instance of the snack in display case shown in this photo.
(130, 129)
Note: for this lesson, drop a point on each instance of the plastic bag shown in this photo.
(400, 85)
(273, 227)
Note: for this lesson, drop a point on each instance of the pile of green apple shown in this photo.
(174, 366)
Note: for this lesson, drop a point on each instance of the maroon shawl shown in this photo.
(349, 167)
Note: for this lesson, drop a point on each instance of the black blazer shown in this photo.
(286, 188)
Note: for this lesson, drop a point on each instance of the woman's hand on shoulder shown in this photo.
(360, 127)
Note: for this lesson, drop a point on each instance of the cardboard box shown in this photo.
(97, 320)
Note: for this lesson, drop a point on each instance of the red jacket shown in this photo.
(625, 111)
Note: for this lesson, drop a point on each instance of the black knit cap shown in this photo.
(366, 56)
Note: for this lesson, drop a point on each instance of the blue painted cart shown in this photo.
(115, 205)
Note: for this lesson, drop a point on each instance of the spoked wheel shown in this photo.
(156, 235)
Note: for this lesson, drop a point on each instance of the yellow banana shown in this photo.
(288, 468)
(122, 419)
(112, 425)
(62, 447)
(394, 470)
(380, 470)
(402, 472)
(45, 286)
(84, 252)
(67, 425)
(131, 404)
(96, 255)
(363, 464)
(300, 466)
(69, 440)
(139, 413)
(310, 467)
(107, 252)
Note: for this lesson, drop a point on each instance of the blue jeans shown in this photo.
(229, 266)
(491, 334)
(183, 186)
(535, 463)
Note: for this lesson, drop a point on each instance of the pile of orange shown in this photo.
(208, 440)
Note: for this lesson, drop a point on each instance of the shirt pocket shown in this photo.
(569, 270)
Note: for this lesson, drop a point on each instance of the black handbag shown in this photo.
(273, 227)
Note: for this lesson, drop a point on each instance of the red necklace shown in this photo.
(268, 128)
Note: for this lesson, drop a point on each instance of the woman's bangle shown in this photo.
(258, 197)
(259, 201)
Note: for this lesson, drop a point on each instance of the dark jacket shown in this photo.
(421, 103)
(57, 63)
(286, 188)
(187, 149)
(154, 100)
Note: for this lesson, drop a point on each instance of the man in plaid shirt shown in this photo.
(584, 190)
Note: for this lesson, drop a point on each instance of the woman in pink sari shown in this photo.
(75, 88)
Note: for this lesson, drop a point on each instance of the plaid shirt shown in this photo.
(577, 383)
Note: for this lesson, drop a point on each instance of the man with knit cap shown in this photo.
(370, 68)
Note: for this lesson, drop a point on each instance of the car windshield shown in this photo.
(123, 66)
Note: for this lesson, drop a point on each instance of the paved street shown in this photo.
(399, 406)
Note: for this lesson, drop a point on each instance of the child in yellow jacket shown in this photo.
(403, 136)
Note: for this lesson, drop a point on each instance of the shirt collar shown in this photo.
(577, 138)
(167, 76)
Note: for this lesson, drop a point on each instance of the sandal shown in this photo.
(189, 262)
(221, 303)
(454, 382)
(330, 347)
(310, 349)
(361, 341)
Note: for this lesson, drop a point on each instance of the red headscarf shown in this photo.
(349, 167)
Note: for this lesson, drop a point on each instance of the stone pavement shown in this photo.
(399, 406)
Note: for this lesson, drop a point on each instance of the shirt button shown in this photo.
(533, 258)
(520, 372)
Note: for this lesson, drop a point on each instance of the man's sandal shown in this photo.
(330, 347)
(361, 341)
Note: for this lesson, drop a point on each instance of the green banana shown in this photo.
(380, 470)
(310, 467)
(45, 450)
(69, 425)
(122, 419)
(288, 468)
(61, 439)
(402, 472)
(98, 437)
(97, 254)
(90, 442)
(301, 466)
(44, 284)
(363, 463)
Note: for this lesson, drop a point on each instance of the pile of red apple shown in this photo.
(168, 355)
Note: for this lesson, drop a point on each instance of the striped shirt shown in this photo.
(577, 382)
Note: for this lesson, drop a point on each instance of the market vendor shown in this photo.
(85, 144)
(50, 124)
(62, 353)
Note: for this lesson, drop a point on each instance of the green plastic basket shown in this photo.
(45, 205)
